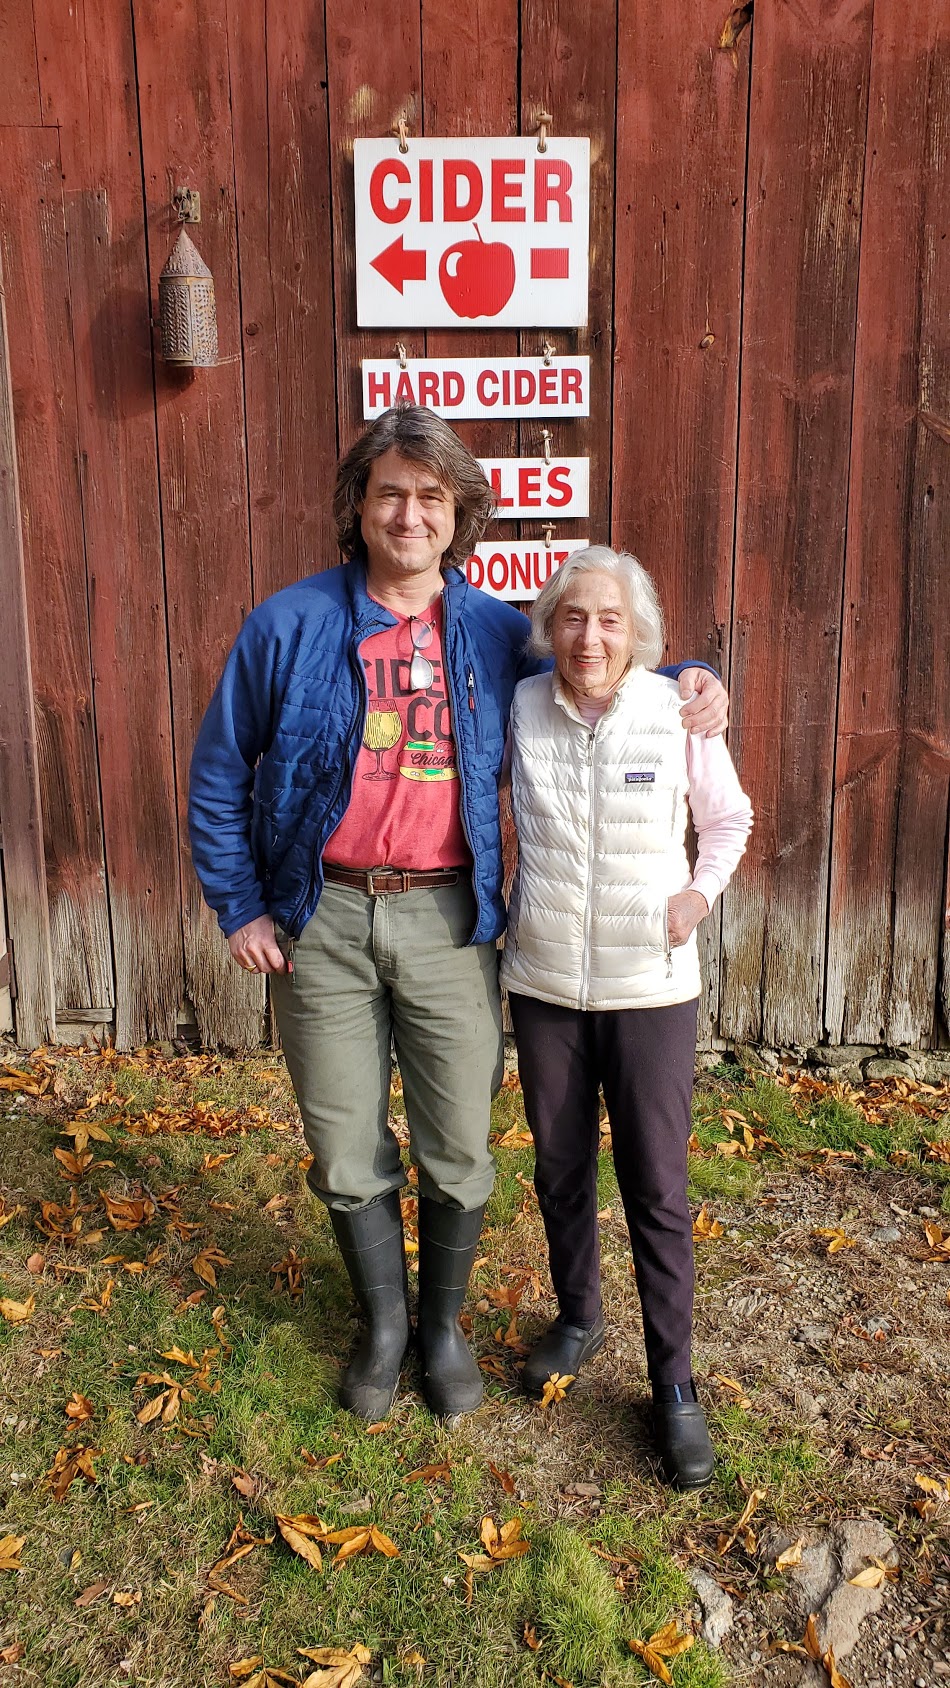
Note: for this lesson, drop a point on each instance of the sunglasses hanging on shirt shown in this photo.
(421, 671)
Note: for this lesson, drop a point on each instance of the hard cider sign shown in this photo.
(492, 233)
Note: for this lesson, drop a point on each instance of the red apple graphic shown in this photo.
(477, 277)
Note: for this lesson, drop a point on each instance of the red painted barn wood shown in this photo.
(44, 389)
(681, 153)
(806, 152)
(24, 869)
(278, 79)
(183, 69)
(87, 72)
(375, 79)
(889, 832)
(19, 82)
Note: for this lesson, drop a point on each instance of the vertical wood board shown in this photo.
(33, 238)
(187, 141)
(19, 78)
(88, 88)
(892, 740)
(278, 81)
(806, 153)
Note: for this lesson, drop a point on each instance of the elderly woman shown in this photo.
(601, 962)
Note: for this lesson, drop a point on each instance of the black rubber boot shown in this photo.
(371, 1243)
(448, 1243)
(564, 1348)
(683, 1442)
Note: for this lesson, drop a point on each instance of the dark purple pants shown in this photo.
(644, 1059)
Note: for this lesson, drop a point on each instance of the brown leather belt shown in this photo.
(385, 881)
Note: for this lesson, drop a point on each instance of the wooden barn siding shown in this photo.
(768, 425)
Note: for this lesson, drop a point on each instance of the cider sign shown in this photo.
(486, 233)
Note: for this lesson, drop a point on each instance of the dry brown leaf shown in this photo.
(652, 1660)
(69, 1464)
(17, 1312)
(128, 1213)
(288, 1274)
(244, 1667)
(810, 1639)
(429, 1474)
(835, 1678)
(6, 1214)
(725, 1541)
(10, 1549)
(337, 1667)
(245, 1484)
(670, 1641)
(205, 1263)
(13, 1654)
(210, 1162)
(791, 1556)
(503, 1477)
(95, 1591)
(298, 1542)
(742, 1399)
(930, 1486)
(555, 1388)
(74, 1166)
(704, 1227)
(321, 1464)
(102, 1305)
(839, 1238)
(79, 1408)
(127, 1598)
(192, 1300)
(530, 1638)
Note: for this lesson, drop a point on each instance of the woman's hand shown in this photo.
(255, 947)
(684, 911)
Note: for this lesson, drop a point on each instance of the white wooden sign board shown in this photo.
(501, 387)
(489, 232)
(517, 569)
(532, 486)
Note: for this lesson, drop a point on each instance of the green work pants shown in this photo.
(371, 973)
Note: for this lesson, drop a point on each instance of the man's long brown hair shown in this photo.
(420, 437)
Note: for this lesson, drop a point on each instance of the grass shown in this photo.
(163, 1505)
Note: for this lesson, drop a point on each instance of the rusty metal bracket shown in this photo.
(187, 203)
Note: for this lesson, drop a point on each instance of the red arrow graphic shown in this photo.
(397, 265)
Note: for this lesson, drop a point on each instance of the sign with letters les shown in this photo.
(532, 486)
(486, 232)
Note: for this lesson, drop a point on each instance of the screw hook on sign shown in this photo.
(400, 130)
(548, 352)
(544, 120)
(546, 437)
(548, 536)
(400, 352)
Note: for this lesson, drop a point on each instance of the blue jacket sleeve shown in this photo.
(236, 731)
(674, 672)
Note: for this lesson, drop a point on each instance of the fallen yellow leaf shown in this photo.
(17, 1312)
(10, 1549)
(791, 1556)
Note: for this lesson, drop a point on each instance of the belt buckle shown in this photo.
(371, 890)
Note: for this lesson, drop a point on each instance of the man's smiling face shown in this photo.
(407, 519)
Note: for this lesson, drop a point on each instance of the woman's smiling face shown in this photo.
(592, 634)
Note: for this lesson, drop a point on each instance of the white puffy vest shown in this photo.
(601, 819)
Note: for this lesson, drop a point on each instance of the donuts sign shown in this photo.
(488, 233)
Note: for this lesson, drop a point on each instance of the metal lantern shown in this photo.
(186, 307)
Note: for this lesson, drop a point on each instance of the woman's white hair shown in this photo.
(644, 605)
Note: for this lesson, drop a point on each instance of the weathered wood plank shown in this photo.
(88, 88)
(21, 819)
(374, 75)
(681, 148)
(19, 78)
(282, 192)
(452, 42)
(44, 396)
(182, 59)
(893, 747)
(806, 150)
(569, 68)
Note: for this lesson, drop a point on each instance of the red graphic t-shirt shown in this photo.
(404, 810)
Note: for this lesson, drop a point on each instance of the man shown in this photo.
(345, 829)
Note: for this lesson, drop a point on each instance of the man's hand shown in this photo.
(684, 911)
(255, 947)
(706, 709)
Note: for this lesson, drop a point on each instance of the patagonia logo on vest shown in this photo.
(639, 776)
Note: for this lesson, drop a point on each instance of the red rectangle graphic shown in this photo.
(550, 263)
